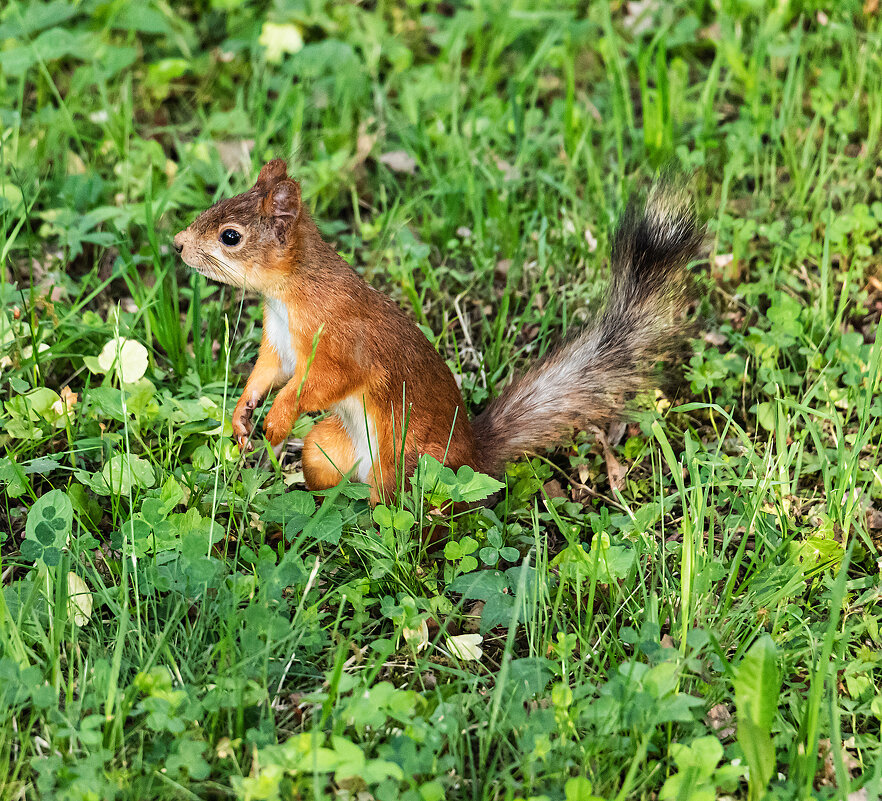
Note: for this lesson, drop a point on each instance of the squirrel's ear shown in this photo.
(283, 200)
(272, 172)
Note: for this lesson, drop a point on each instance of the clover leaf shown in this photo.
(47, 528)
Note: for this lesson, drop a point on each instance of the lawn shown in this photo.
(686, 610)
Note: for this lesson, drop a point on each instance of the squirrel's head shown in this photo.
(246, 240)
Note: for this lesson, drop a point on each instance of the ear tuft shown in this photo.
(272, 172)
(283, 200)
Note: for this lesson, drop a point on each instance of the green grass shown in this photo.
(709, 628)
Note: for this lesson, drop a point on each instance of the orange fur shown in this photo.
(327, 454)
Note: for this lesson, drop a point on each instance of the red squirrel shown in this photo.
(333, 343)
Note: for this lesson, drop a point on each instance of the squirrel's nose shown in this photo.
(179, 245)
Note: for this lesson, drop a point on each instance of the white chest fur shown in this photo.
(362, 430)
(278, 333)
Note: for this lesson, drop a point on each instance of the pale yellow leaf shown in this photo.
(79, 600)
(132, 363)
(466, 647)
(279, 39)
(417, 637)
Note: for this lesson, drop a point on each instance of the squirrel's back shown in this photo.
(585, 382)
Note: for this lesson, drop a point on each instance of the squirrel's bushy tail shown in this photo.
(585, 382)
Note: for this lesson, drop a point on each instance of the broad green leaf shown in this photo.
(498, 610)
(442, 484)
(41, 401)
(696, 763)
(107, 401)
(50, 45)
(759, 753)
(434, 479)
(42, 465)
(457, 549)
(383, 516)
(171, 494)
(140, 399)
(35, 17)
(355, 490)
(12, 201)
(26, 410)
(14, 478)
(48, 527)
(325, 527)
(471, 486)
(122, 473)
(468, 564)
(603, 563)
(579, 788)
(757, 686)
(351, 759)
(402, 520)
(141, 18)
(293, 509)
(50, 519)
(31, 550)
(480, 586)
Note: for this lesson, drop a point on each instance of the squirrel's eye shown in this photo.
(230, 237)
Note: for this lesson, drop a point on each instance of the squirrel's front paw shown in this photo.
(242, 428)
(277, 425)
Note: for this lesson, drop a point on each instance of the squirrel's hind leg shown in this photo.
(328, 454)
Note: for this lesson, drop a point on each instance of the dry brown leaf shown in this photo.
(399, 161)
(591, 240)
(363, 146)
(724, 267)
(714, 338)
(509, 173)
(640, 14)
(75, 164)
(616, 432)
(472, 618)
(719, 718)
(235, 154)
(554, 490)
(65, 402)
(502, 267)
(614, 470)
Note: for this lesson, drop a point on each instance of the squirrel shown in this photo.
(332, 342)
